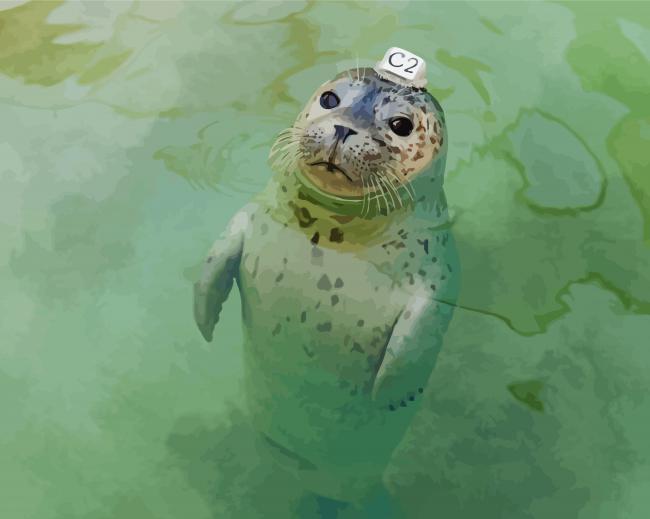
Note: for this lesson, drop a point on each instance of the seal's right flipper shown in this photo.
(219, 271)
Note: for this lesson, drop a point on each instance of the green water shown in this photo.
(130, 133)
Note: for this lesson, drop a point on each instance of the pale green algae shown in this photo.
(131, 132)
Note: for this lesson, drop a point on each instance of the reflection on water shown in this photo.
(131, 131)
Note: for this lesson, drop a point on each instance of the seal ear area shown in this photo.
(438, 111)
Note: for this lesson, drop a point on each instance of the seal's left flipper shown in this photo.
(411, 352)
(219, 271)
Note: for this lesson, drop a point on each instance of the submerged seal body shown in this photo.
(348, 274)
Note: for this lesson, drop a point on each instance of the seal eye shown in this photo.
(329, 100)
(401, 126)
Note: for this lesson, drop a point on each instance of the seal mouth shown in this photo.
(331, 166)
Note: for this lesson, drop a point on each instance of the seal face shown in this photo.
(347, 272)
(364, 138)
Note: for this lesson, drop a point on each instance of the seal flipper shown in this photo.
(411, 352)
(219, 271)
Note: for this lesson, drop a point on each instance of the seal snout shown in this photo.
(343, 132)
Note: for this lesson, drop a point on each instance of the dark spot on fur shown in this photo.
(411, 254)
(336, 235)
(411, 398)
(422, 273)
(402, 404)
(303, 216)
(315, 238)
(425, 245)
(433, 287)
(324, 327)
(335, 300)
(338, 283)
(357, 347)
(324, 283)
(420, 390)
(279, 278)
(391, 407)
(407, 314)
(360, 322)
(303, 317)
(343, 218)
(277, 329)
(209, 260)
(309, 353)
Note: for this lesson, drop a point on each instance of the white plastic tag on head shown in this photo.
(403, 67)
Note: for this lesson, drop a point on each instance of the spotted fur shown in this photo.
(344, 306)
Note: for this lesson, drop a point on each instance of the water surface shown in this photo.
(130, 132)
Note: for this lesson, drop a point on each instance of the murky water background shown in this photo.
(129, 134)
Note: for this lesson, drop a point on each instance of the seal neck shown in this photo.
(426, 198)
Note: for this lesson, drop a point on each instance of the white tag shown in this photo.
(404, 64)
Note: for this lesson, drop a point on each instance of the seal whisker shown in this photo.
(406, 185)
(283, 146)
(393, 194)
(280, 153)
(366, 196)
(382, 192)
(373, 197)
(385, 189)
(376, 197)
(403, 185)
(284, 159)
(393, 191)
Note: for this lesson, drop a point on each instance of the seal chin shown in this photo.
(331, 166)
(331, 179)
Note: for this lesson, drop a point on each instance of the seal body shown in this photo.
(344, 310)
(318, 314)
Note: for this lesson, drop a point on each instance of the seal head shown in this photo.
(362, 141)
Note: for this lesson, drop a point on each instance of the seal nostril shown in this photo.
(343, 132)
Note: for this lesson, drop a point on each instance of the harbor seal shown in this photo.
(348, 273)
